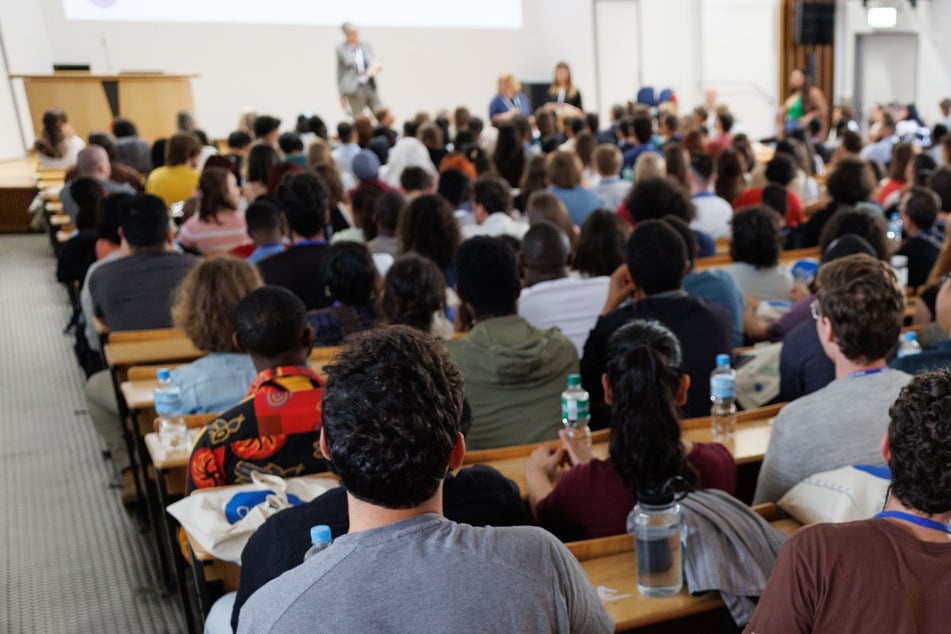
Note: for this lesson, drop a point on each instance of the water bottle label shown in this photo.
(574, 409)
(722, 387)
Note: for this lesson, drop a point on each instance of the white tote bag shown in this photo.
(221, 520)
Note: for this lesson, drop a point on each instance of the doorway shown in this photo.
(886, 70)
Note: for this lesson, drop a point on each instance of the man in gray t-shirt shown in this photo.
(390, 425)
(860, 308)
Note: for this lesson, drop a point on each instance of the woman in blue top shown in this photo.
(509, 101)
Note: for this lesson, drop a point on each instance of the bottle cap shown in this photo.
(910, 336)
(722, 360)
(574, 379)
(655, 497)
(320, 534)
(163, 374)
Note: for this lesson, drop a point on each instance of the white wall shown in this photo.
(929, 21)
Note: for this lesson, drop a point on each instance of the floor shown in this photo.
(72, 559)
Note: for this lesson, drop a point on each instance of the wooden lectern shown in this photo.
(92, 101)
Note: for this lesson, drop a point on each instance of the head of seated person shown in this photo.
(861, 307)
(93, 162)
(219, 193)
(304, 200)
(656, 258)
(487, 278)
(919, 209)
(267, 129)
(239, 143)
(413, 292)
(261, 160)
(352, 283)
(107, 223)
(564, 170)
(265, 223)
(868, 226)
(279, 171)
(103, 140)
(601, 244)
(290, 144)
(607, 160)
(204, 303)
(757, 239)
(415, 181)
(183, 148)
(143, 224)
(490, 194)
(271, 326)
(88, 194)
(649, 165)
(387, 209)
(656, 197)
(851, 181)
(428, 227)
(455, 186)
(545, 255)
(544, 206)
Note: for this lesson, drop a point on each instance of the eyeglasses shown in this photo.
(814, 307)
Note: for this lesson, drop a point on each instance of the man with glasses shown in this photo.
(858, 315)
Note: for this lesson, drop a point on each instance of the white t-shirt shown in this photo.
(497, 224)
(73, 145)
(714, 215)
(571, 303)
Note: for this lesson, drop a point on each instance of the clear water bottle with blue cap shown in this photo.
(320, 539)
(909, 345)
(167, 397)
(723, 397)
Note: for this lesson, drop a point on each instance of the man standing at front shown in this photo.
(356, 72)
(391, 415)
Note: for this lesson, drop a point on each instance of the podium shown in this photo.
(92, 101)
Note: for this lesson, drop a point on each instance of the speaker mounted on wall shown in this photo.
(814, 23)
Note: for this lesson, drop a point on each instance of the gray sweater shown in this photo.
(839, 425)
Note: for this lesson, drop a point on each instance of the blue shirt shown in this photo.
(501, 105)
(264, 251)
(718, 286)
(214, 383)
(579, 201)
(630, 156)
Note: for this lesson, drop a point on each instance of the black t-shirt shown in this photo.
(477, 495)
(298, 270)
(922, 250)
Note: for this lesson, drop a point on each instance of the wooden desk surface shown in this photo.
(614, 576)
(163, 459)
(150, 352)
(747, 446)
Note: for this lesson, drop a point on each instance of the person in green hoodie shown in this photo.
(514, 373)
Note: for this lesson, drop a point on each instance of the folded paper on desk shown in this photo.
(222, 520)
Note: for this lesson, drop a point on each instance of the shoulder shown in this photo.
(235, 424)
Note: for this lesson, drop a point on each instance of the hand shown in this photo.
(750, 304)
(343, 102)
(545, 460)
(577, 450)
(797, 292)
(620, 289)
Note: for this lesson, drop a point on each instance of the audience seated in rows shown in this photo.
(91, 162)
(266, 431)
(644, 386)
(119, 172)
(859, 311)
(514, 373)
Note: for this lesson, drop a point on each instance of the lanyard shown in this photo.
(860, 373)
(704, 195)
(512, 104)
(307, 242)
(914, 519)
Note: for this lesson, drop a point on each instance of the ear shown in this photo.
(606, 386)
(308, 338)
(886, 449)
(237, 343)
(682, 389)
(825, 330)
(457, 455)
(323, 445)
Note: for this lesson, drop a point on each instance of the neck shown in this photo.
(261, 364)
(920, 532)
(365, 516)
(844, 367)
(534, 276)
(699, 188)
(298, 238)
(160, 248)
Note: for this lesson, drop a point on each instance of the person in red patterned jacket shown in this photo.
(276, 428)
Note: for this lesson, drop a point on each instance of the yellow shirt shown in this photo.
(172, 184)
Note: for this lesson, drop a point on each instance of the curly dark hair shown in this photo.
(348, 271)
(304, 198)
(851, 181)
(601, 244)
(919, 437)
(487, 276)
(643, 368)
(861, 298)
(653, 198)
(757, 238)
(866, 225)
(413, 291)
(391, 415)
(656, 257)
(270, 321)
(428, 227)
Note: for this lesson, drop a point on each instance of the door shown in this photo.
(886, 70)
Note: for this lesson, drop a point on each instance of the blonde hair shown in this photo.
(319, 152)
(607, 159)
(649, 165)
(510, 78)
(204, 302)
(570, 90)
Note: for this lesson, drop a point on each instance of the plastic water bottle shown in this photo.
(723, 397)
(320, 539)
(909, 345)
(168, 405)
(894, 226)
(900, 264)
(657, 520)
(574, 410)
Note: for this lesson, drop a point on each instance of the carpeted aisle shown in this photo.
(73, 560)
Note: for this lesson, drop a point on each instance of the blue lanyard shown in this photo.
(704, 195)
(856, 375)
(914, 519)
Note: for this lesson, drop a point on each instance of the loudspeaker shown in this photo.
(814, 23)
(537, 92)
